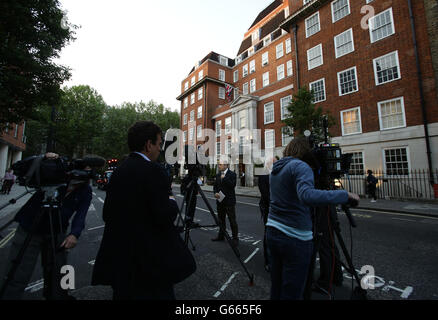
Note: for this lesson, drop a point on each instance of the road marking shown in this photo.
(100, 199)
(252, 255)
(35, 286)
(7, 238)
(94, 193)
(256, 242)
(219, 292)
(403, 219)
(397, 214)
(91, 208)
(96, 228)
(91, 262)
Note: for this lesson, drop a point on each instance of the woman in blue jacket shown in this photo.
(289, 225)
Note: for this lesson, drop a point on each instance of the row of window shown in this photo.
(192, 115)
(251, 66)
(386, 69)
(193, 97)
(396, 162)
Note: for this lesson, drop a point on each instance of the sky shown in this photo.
(141, 50)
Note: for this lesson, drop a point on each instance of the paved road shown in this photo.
(401, 248)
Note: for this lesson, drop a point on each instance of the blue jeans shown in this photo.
(290, 262)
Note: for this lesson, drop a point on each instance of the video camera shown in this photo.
(38, 171)
(332, 162)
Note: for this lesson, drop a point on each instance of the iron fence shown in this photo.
(414, 185)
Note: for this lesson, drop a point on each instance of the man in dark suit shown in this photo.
(139, 213)
(225, 183)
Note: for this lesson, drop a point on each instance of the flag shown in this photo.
(228, 91)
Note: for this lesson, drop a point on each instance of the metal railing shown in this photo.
(415, 185)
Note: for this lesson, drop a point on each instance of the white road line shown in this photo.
(94, 193)
(35, 286)
(218, 293)
(256, 242)
(7, 238)
(252, 255)
(96, 228)
(403, 219)
(397, 214)
(100, 199)
(91, 262)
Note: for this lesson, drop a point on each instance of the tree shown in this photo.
(304, 115)
(32, 34)
(79, 120)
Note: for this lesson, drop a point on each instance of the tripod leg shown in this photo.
(225, 233)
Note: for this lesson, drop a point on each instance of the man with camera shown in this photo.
(75, 199)
(289, 225)
(141, 255)
(226, 201)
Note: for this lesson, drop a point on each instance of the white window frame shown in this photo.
(192, 116)
(279, 52)
(252, 85)
(359, 119)
(265, 58)
(221, 75)
(223, 61)
(199, 131)
(269, 104)
(323, 85)
(218, 148)
(265, 79)
(200, 74)
(284, 137)
(221, 93)
(191, 134)
(308, 34)
(280, 72)
(193, 81)
(357, 172)
(185, 136)
(252, 67)
(403, 113)
(289, 67)
(333, 13)
(308, 56)
(218, 128)
(288, 45)
(186, 102)
(200, 93)
(199, 112)
(397, 63)
(245, 88)
(244, 70)
(186, 85)
(192, 98)
(371, 22)
(352, 43)
(185, 119)
(228, 125)
(339, 81)
(236, 75)
(283, 107)
(408, 158)
(267, 131)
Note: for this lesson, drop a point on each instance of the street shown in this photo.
(400, 248)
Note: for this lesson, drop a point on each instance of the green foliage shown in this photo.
(31, 37)
(304, 115)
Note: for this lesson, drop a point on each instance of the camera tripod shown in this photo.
(358, 292)
(50, 206)
(193, 188)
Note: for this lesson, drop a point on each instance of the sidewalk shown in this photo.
(421, 208)
(11, 209)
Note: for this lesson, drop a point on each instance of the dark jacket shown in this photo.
(139, 227)
(226, 185)
(293, 193)
(77, 201)
(264, 196)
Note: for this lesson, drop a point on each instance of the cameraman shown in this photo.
(289, 226)
(75, 198)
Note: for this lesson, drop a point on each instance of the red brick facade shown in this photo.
(371, 140)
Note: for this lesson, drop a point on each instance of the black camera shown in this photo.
(332, 162)
(38, 171)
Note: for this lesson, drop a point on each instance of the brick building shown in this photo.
(12, 145)
(370, 62)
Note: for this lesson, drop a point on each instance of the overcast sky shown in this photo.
(137, 50)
